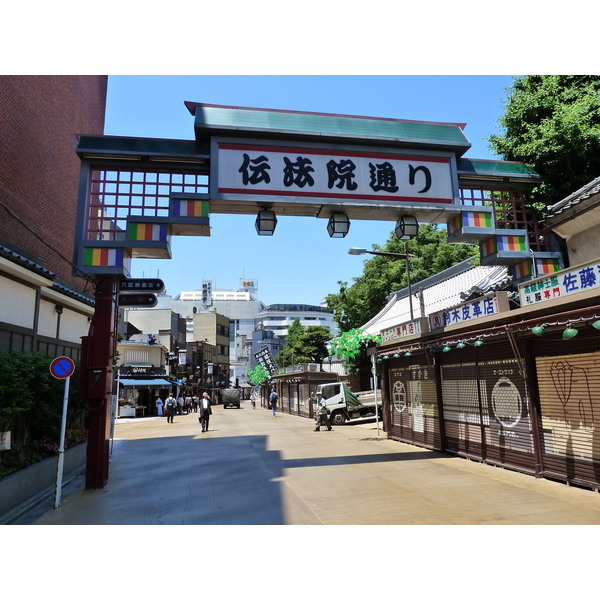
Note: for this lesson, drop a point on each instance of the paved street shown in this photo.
(251, 468)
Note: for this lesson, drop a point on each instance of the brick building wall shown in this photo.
(40, 118)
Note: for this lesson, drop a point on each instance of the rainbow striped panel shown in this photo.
(148, 232)
(189, 208)
(522, 270)
(489, 247)
(475, 219)
(512, 243)
(547, 265)
(104, 257)
(455, 223)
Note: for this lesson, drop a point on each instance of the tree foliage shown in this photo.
(552, 124)
(31, 406)
(354, 305)
(304, 344)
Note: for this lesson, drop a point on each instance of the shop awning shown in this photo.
(146, 382)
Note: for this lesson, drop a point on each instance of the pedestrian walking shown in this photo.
(159, 406)
(205, 411)
(171, 405)
(179, 405)
(253, 399)
(322, 418)
(273, 398)
(195, 403)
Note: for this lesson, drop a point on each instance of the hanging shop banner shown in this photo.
(265, 358)
(333, 173)
(469, 311)
(558, 285)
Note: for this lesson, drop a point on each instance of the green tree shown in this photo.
(552, 124)
(304, 344)
(30, 395)
(354, 305)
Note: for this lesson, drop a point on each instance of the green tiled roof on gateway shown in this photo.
(239, 121)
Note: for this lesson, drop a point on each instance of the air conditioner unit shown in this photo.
(313, 367)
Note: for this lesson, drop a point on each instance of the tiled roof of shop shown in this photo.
(581, 194)
(448, 288)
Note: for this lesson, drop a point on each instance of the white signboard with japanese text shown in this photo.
(558, 285)
(469, 311)
(401, 331)
(266, 170)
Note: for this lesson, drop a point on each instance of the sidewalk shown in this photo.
(251, 468)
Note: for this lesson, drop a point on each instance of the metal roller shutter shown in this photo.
(486, 409)
(505, 415)
(569, 391)
(462, 415)
(413, 406)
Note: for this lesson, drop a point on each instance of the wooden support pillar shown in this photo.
(98, 352)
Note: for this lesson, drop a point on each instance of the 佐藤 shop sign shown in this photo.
(268, 170)
(558, 285)
(469, 311)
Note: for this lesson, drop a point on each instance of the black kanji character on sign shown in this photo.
(412, 173)
(255, 171)
(298, 173)
(343, 173)
(383, 177)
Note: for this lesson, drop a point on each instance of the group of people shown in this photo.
(181, 405)
(184, 405)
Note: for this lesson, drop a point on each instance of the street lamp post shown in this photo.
(405, 256)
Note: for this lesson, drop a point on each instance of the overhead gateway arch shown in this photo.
(136, 193)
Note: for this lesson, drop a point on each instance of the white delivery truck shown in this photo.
(345, 404)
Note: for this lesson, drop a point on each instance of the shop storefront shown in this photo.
(137, 395)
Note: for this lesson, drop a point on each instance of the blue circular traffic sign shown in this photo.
(62, 367)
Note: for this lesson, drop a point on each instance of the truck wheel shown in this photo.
(338, 418)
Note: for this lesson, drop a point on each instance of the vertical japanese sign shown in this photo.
(265, 358)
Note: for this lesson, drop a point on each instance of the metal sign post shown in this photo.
(62, 368)
(374, 369)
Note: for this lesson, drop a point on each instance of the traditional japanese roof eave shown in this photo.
(212, 120)
(564, 215)
(499, 172)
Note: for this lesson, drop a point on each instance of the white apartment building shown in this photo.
(279, 317)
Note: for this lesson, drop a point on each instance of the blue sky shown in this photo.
(300, 263)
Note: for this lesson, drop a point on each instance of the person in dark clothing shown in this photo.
(205, 411)
(171, 406)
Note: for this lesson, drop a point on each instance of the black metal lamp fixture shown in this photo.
(266, 221)
(407, 228)
(339, 225)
